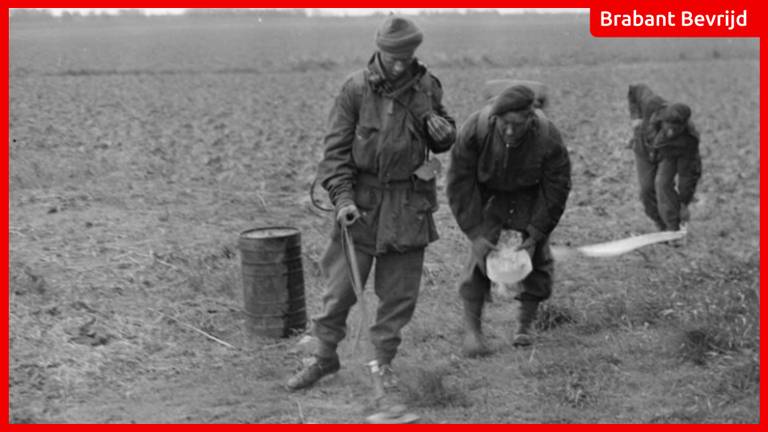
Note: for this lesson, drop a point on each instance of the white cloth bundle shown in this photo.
(507, 266)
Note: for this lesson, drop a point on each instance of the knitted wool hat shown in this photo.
(676, 113)
(515, 98)
(398, 36)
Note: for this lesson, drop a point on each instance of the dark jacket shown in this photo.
(683, 151)
(377, 138)
(491, 186)
(649, 144)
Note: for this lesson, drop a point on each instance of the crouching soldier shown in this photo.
(509, 171)
(666, 147)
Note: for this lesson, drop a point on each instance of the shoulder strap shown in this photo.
(544, 122)
(360, 80)
(426, 85)
(358, 77)
(483, 119)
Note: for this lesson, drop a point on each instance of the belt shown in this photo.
(372, 180)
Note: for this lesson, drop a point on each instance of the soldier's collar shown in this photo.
(380, 84)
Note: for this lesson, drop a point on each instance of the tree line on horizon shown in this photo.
(46, 14)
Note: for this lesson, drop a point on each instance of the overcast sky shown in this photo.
(337, 11)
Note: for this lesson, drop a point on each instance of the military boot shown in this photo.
(473, 344)
(525, 316)
(314, 369)
(389, 403)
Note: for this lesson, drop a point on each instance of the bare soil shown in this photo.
(132, 176)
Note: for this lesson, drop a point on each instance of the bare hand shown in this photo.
(348, 215)
(439, 128)
(528, 245)
(481, 247)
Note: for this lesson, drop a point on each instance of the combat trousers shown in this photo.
(657, 191)
(537, 286)
(666, 194)
(396, 284)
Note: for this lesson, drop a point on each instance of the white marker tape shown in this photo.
(617, 247)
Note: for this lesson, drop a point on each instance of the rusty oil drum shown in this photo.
(273, 281)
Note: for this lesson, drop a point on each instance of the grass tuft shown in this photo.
(552, 315)
(695, 345)
(427, 390)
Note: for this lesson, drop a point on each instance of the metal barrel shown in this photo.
(273, 281)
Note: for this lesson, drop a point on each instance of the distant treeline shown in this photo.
(44, 14)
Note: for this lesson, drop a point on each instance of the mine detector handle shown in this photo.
(348, 245)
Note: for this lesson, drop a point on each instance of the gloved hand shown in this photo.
(481, 247)
(348, 214)
(685, 213)
(439, 128)
(528, 245)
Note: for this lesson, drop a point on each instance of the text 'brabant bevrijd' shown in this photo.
(728, 19)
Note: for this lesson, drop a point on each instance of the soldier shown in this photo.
(666, 147)
(509, 171)
(378, 172)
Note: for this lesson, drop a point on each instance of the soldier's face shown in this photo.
(395, 65)
(513, 125)
(671, 130)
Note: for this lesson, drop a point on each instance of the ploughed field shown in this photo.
(141, 148)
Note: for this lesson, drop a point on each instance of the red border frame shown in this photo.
(755, 8)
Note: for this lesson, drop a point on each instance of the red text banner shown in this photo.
(651, 19)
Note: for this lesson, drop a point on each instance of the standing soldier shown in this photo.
(380, 177)
(509, 171)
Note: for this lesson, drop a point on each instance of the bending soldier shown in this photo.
(509, 171)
